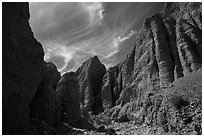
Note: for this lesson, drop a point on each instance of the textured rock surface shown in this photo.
(167, 47)
(90, 76)
(125, 96)
(146, 88)
(176, 110)
(108, 96)
(161, 74)
(43, 105)
(68, 95)
(22, 61)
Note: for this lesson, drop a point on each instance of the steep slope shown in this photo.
(175, 110)
(22, 61)
(168, 46)
(167, 50)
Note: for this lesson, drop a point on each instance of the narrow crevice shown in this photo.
(198, 30)
(170, 48)
(191, 63)
(195, 48)
(171, 40)
(153, 50)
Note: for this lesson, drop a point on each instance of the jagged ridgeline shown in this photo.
(157, 88)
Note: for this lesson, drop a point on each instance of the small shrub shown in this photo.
(178, 102)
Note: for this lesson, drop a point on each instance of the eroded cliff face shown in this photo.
(22, 61)
(166, 57)
(170, 44)
(108, 94)
(90, 76)
(167, 47)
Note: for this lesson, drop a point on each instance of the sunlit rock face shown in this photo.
(167, 50)
(90, 76)
(22, 61)
(168, 47)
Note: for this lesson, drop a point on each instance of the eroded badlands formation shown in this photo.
(157, 88)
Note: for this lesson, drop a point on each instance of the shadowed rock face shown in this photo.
(22, 61)
(43, 105)
(68, 95)
(90, 76)
(54, 74)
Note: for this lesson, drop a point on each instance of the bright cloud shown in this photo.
(73, 32)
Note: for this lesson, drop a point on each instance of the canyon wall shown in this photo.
(22, 61)
(29, 83)
(168, 46)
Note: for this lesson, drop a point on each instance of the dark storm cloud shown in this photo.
(72, 32)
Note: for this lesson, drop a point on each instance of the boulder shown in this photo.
(110, 131)
(123, 118)
(101, 129)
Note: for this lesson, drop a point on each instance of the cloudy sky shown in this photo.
(73, 32)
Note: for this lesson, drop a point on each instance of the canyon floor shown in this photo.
(189, 87)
